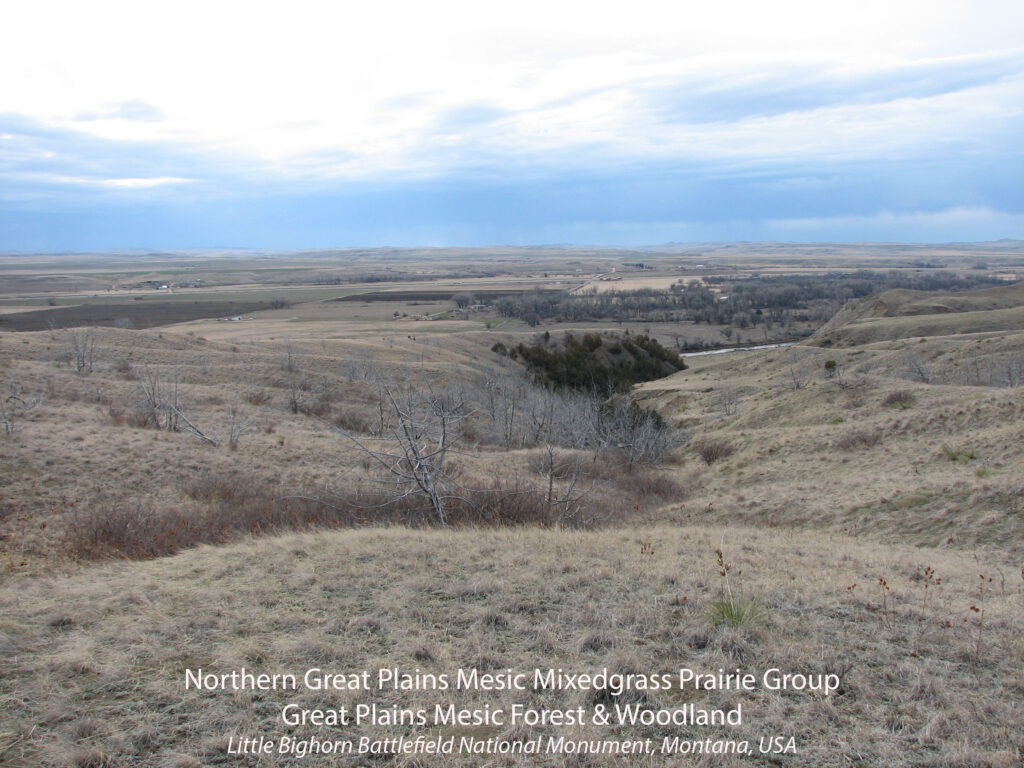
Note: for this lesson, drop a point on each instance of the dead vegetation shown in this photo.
(88, 655)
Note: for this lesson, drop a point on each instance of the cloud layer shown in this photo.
(622, 131)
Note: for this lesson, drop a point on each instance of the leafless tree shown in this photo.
(797, 378)
(238, 426)
(80, 348)
(505, 401)
(638, 435)
(916, 370)
(160, 406)
(728, 402)
(567, 497)
(421, 430)
(290, 358)
(16, 406)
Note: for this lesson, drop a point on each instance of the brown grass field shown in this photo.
(865, 490)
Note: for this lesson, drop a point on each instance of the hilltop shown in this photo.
(901, 314)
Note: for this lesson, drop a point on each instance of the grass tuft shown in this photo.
(736, 612)
(960, 457)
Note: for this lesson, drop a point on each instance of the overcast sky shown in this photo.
(323, 124)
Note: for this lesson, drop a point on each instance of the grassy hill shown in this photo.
(901, 314)
(868, 500)
(95, 661)
(862, 447)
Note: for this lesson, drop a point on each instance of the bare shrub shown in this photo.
(901, 398)
(238, 427)
(236, 487)
(506, 504)
(290, 361)
(352, 420)
(17, 405)
(129, 531)
(857, 439)
(501, 504)
(116, 415)
(714, 450)
(653, 485)
(139, 532)
(125, 368)
(227, 507)
(321, 408)
(80, 348)
(258, 397)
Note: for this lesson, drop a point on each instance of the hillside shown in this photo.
(857, 495)
(95, 662)
(861, 447)
(900, 314)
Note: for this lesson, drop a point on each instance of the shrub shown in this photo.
(353, 421)
(901, 398)
(586, 363)
(257, 397)
(236, 488)
(652, 484)
(117, 415)
(714, 450)
(858, 438)
(230, 513)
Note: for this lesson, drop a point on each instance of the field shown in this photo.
(191, 491)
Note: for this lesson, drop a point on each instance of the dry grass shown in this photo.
(858, 439)
(831, 456)
(825, 487)
(94, 662)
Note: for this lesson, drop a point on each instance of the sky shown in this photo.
(334, 124)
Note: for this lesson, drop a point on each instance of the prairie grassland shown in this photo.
(94, 662)
(868, 499)
(824, 450)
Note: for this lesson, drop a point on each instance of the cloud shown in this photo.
(39, 162)
(132, 109)
(758, 90)
(960, 224)
(668, 124)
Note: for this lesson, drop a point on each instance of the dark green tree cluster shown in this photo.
(593, 361)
